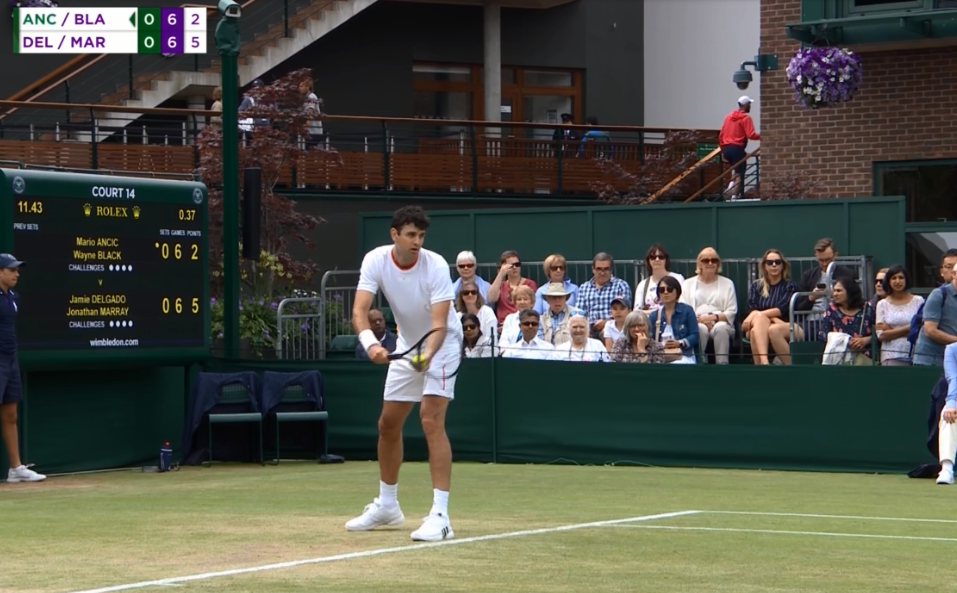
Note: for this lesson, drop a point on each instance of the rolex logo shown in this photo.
(87, 209)
(136, 212)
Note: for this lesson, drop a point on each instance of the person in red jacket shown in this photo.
(733, 140)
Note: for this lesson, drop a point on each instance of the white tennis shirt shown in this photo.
(412, 291)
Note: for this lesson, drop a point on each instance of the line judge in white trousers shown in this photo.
(947, 429)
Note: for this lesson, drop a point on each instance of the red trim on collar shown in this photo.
(400, 266)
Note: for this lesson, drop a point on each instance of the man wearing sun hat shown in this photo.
(737, 129)
(11, 388)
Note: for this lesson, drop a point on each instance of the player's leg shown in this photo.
(439, 391)
(11, 393)
(403, 388)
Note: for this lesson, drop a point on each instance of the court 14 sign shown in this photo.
(113, 264)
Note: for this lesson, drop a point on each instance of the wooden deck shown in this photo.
(514, 166)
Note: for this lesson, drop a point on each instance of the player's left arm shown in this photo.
(441, 296)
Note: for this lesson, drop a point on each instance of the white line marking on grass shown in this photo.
(775, 531)
(380, 552)
(815, 516)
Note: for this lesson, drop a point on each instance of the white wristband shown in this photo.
(368, 339)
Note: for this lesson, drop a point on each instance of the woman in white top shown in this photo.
(658, 262)
(475, 344)
(524, 298)
(894, 314)
(714, 301)
(469, 300)
(581, 348)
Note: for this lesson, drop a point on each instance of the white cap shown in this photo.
(744, 100)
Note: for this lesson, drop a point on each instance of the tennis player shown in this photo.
(418, 285)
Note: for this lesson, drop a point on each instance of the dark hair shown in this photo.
(890, 273)
(473, 318)
(658, 248)
(823, 244)
(948, 253)
(591, 120)
(855, 296)
(413, 215)
(672, 283)
(528, 313)
(507, 254)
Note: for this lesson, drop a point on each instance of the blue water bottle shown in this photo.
(166, 457)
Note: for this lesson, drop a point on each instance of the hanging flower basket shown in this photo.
(824, 76)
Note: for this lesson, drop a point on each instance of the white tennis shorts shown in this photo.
(405, 384)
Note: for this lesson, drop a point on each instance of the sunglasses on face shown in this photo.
(558, 268)
(602, 269)
(710, 261)
(773, 262)
(665, 289)
(530, 324)
(657, 257)
(466, 266)
(469, 292)
(469, 327)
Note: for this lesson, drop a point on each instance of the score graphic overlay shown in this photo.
(113, 263)
(173, 30)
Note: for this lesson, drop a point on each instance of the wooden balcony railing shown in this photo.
(382, 154)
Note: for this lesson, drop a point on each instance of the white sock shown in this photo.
(947, 464)
(440, 502)
(388, 495)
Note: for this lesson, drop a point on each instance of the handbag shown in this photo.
(669, 354)
(836, 350)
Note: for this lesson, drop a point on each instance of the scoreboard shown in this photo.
(116, 267)
(173, 30)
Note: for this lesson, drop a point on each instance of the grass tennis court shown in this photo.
(518, 528)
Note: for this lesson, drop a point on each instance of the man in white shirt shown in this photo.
(529, 346)
(581, 348)
(418, 285)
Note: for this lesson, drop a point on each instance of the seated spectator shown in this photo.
(849, 314)
(595, 295)
(635, 343)
(769, 303)
(385, 337)
(594, 134)
(947, 427)
(465, 264)
(580, 347)
(940, 322)
(468, 300)
(894, 314)
(658, 262)
(714, 301)
(474, 344)
(556, 270)
(554, 327)
(812, 280)
(620, 308)
(508, 278)
(524, 298)
(674, 324)
(530, 346)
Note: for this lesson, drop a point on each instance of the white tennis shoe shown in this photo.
(945, 477)
(376, 515)
(23, 474)
(435, 527)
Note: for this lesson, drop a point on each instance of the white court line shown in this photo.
(814, 516)
(380, 552)
(775, 531)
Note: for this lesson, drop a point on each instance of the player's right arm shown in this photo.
(365, 292)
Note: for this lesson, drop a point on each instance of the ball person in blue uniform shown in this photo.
(11, 388)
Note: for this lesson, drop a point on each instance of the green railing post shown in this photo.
(285, 18)
(386, 174)
(474, 148)
(93, 155)
(66, 92)
(560, 148)
(641, 148)
(129, 64)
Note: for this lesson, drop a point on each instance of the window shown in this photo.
(923, 253)
(443, 73)
(866, 7)
(929, 186)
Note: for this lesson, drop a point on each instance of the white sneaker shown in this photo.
(376, 515)
(23, 474)
(434, 528)
(945, 477)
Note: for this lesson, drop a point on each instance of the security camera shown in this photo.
(230, 9)
(742, 78)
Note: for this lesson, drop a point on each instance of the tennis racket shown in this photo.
(444, 364)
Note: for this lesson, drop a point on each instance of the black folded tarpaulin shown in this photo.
(232, 442)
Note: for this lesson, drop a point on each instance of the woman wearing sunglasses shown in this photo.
(556, 270)
(715, 303)
(674, 324)
(658, 265)
(469, 300)
(769, 300)
(475, 344)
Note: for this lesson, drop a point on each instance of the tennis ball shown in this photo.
(418, 359)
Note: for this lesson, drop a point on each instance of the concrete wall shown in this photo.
(691, 49)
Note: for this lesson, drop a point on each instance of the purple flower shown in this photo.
(822, 76)
(337, 296)
(212, 300)
(274, 305)
(220, 334)
(261, 302)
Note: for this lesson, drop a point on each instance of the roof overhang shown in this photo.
(897, 30)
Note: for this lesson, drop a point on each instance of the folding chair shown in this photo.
(237, 394)
(295, 394)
